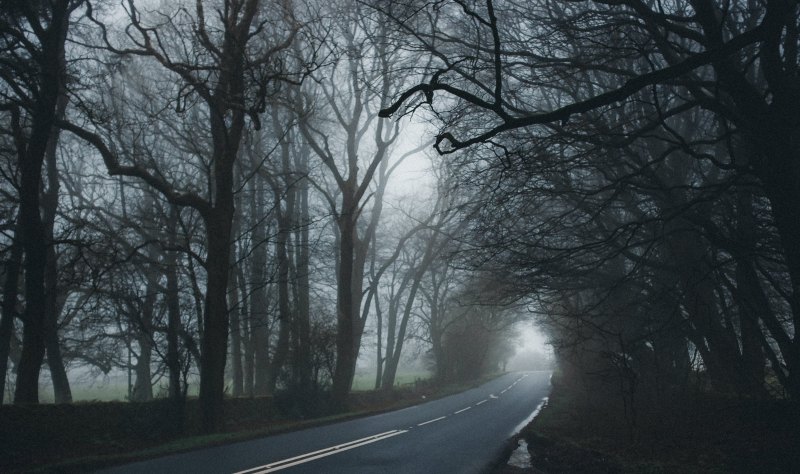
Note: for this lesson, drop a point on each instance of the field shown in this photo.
(365, 380)
(115, 388)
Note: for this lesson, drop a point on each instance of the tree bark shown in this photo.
(55, 360)
(174, 325)
(9, 309)
(143, 385)
(236, 342)
(214, 345)
(50, 82)
(284, 307)
(247, 336)
(346, 309)
(302, 327)
(259, 301)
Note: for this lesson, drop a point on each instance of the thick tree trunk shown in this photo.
(227, 121)
(58, 373)
(35, 313)
(55, 361)
(346, 309)
(9, 308)
(33, 232)
(215, 319)
(142, 385)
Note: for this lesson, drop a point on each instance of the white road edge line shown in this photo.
(431, 421)
(503, 391)
(303, 458)
(462, 410)
(482, 401)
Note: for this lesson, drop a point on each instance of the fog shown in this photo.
(311, 204)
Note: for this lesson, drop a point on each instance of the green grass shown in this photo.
(366, 380)
(116, 391)
(100, 392)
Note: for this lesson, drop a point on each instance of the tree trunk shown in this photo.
(284, 307)
(143, 386)
(50, 81)
(247, 337)
(346, 309)
(215, 319)
(55, 361)
(174, 325)
(379, 350)
(236, 341)
(9, 308)
(302, 313)
(237, 388)
(393, 362)
(259, 301)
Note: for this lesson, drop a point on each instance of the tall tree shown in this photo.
(738, 61)
(358, 83)
(35, 77)
(229, 70)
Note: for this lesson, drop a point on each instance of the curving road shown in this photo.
(462, 433)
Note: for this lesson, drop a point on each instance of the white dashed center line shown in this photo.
(304, 458)
(431, 421)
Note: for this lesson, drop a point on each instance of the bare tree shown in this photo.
(230, 73)
(357, 84)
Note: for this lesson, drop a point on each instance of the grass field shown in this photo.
(116, 388)
(366, 380)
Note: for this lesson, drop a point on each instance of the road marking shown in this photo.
(462, 410)
(530, 417)
(503, 391)
(304, 458)
(492, 395)
(431, 421)
(482, 401)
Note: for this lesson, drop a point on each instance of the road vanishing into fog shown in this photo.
(462, 433)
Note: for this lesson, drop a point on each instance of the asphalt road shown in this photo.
(459, 434)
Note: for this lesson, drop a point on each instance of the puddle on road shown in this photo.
(521, 458)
